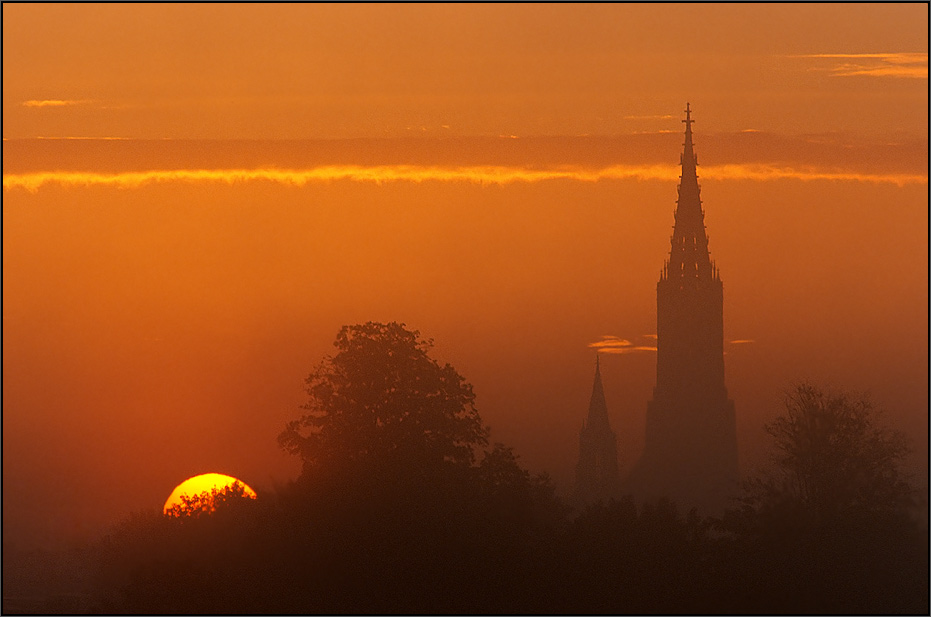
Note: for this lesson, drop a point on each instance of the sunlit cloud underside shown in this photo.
(616, 345)
(484, 175)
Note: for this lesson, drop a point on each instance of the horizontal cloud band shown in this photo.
(615, 344)
(51, 103)
(485, 175)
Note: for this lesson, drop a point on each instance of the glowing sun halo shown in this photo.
(204, 482)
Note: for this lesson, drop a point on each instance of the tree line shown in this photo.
(404, 505)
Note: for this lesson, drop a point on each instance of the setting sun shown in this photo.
(204, 483)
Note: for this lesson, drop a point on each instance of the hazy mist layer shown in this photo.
(156, 332)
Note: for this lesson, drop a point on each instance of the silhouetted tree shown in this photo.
(392, 497)
(381, 399)
(209, 502)
(829, 529)
(210, 554)
(834, 455)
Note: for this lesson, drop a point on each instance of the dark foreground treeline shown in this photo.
(497, 541)
(402, 507)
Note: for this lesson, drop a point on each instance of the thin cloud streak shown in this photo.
(616, 345)
(620, 350)
(651, 117)
(894, 58)
(610, 341)
(769, 172)
(77, 138)
(52, 103)
(483, 175)
(910, 65)
(852, 70)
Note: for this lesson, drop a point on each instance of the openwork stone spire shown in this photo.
(689, 258)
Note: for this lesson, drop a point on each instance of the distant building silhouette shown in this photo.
(596, 474)
(690, 454)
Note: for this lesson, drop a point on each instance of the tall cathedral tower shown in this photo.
(690, 455)
(596, 473)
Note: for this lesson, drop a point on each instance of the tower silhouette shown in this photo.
(690, 454)
(596, 474)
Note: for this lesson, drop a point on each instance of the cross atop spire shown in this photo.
(688, 155)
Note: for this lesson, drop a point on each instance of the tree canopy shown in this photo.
(834, 455)
(382, 399)
(477, 535)
(832, 521)
(208, 502)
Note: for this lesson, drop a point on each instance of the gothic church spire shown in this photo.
(597, 407)
(596, 473)
(690, 453)
(689, 258)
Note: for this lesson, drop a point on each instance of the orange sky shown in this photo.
(166, 293)
(310, 70)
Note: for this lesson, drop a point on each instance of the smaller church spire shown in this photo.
(596, 472)
(598, 408)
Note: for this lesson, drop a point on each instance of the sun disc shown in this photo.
(205, 482)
